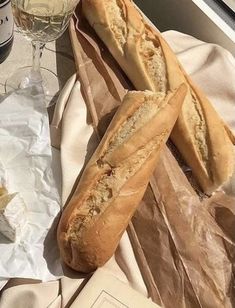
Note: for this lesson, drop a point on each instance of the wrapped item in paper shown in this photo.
(33, 201)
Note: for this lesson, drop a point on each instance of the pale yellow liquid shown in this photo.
(42, 20)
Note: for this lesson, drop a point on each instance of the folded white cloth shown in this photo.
(211, 67)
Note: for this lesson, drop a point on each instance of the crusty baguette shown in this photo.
(199, 133)
(115, 178)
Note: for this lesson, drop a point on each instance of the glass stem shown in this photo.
(35, 75)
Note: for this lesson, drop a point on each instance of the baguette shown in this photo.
(115, 179)
(199, 133)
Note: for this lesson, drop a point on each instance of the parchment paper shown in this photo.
(185, 252)
(25, 155)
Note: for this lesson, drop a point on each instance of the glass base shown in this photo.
(47, 82)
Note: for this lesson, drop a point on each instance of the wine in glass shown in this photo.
(40, 21)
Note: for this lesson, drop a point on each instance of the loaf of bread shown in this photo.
(115, 178)
(199, 134)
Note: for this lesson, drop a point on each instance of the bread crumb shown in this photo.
(117, 20)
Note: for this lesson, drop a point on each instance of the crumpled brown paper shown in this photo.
(184, 245)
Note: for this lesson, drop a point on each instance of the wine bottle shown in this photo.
(6, 29)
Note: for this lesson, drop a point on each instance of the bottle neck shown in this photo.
(6, 29)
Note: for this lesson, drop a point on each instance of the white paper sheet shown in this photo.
(25, 155)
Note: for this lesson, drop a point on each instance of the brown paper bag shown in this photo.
(184, 244)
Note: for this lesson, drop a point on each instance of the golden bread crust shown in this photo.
(115, 178)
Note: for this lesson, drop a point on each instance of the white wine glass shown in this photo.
(40, 21)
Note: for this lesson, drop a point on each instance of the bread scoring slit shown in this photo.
(199, 131)
(117, 21)
(147, 110)
(153, 60)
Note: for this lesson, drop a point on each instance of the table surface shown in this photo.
(57, 57)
